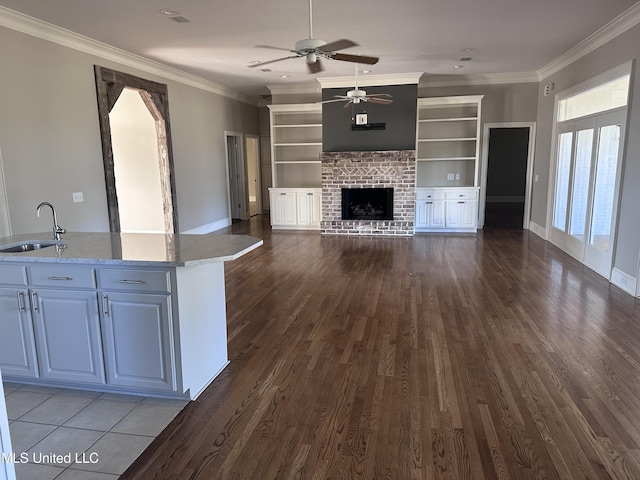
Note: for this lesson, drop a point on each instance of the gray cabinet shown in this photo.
(66, 322)
(138, 340)
(17, 345)
(68, 336)
(138, 328)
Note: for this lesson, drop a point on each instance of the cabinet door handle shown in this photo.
(105, 305)
(133, 282)
(429, 203)
(34, 301)
(461, 202)
(282, 193)
(60, 278)
(21, 305)
(309, 193)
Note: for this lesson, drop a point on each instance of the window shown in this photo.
(599, 99)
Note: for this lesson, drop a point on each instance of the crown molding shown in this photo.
(371, 80)
(51, 33)
(478, 79)
(611, 30)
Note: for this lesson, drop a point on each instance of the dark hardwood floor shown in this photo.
(488, 356)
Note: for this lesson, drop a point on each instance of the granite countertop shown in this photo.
(133, 248)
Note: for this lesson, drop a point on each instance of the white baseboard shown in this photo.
(538, 230)
(210, 227)
(623, 281)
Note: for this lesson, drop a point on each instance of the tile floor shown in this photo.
(103, 433)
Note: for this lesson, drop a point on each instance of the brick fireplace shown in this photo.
(394, 169)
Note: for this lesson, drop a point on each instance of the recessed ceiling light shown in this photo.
(169, 13)
(365, 71)
(284, 76)
(457, 66)
(254, 62)
(466, 49)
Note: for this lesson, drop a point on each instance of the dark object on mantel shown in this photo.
(367, 204)
(369, 126)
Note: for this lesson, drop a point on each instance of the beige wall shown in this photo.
(50, 138)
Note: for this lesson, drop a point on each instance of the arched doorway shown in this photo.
(110, 85)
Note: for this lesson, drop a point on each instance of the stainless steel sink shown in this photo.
(28, 246)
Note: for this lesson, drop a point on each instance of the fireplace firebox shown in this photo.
(367, 204)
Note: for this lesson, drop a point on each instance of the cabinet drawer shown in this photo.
(135, 280)
(424, 194)
(461, 195)
(13, 275)
(61, 276)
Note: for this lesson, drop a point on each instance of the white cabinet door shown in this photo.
(138, 339)
(429, 214)
(68, 339)
(17, 344)
(308, 208)
(283, 208)
(461, 214)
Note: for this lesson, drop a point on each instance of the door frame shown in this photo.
(258, 170)
(109, 86)
(242, 170)
(486, 136)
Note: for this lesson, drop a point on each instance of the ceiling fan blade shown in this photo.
(337, 45)
(315, 67)
(379, 95)
(348, 104)
(335, 100)
(254, 65)
(355, 58)
(275, 48)
(381, 101)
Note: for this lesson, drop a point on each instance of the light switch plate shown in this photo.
(77, 197)
(361, 119)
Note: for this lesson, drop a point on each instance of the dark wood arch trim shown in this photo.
(109, 86)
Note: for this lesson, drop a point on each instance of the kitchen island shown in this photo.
(129, 313)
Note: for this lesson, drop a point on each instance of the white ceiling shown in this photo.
(507, 36)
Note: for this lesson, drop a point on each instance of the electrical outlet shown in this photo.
(457, 176)
(623, 280)
(450, 176)
(77, 197)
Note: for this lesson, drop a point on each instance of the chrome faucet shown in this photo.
(57, 229)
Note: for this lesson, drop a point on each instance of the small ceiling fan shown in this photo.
(314, 49)
(357, 95)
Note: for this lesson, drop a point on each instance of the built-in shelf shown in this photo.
(447, 141)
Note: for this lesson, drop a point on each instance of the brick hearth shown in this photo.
(380, 169)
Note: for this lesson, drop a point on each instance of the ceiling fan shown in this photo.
(357, 95)
(314, 49)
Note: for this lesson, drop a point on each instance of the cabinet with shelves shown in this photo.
(296, 144)
(447, 171)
